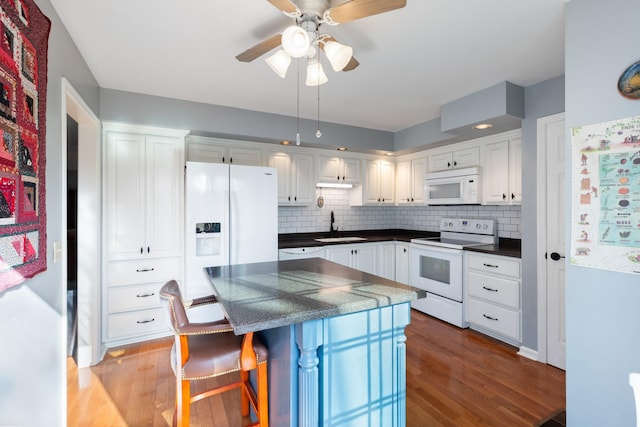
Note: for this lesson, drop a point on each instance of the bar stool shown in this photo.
(207, 350)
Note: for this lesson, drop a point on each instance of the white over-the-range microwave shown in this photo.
(453, 187)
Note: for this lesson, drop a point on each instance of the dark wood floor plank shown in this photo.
(455, 378)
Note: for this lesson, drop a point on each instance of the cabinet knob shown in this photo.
(338, 177)
(295, 198)
(448, 164)
(404, 250)
(343, 178)
(148, 249)
(222, 159)
(289, 198)
(141, 250)
(455, 163)
(504, 196)
(513, 196)
(412, 199)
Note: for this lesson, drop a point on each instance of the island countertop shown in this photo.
(268, 295)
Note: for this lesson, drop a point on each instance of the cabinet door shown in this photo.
(404, 185)
(164, 188)
(329, 169)
(418, 169)
(245, 156)
(282, 162)
(351, 170)
(515, 171)
(372, 183)
(402, 263)
(341, 254)
(466, 158)
(440, 162)
(302, 185)
(387, 182)
(200, 152)
(386, 263)
(125, 196)
(365, 258)
(496, 173)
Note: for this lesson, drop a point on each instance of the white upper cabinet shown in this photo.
(378, 184)
(295, 177)
(455, 159)
(143, 194)
(502, 172)
(338, 169)
(410, 181)
(214, 150)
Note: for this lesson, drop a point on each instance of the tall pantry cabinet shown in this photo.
(143, 222)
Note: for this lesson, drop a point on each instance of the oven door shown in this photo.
(436, 270)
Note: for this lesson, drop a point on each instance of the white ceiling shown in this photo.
(412, 60)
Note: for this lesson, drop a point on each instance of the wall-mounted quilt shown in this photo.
(24, 33)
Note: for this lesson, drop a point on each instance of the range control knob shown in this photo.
(485, 226)
(478, 226)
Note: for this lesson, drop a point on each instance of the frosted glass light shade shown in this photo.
(315, 73)
(295, 41)
(338, 54)
(279, 62)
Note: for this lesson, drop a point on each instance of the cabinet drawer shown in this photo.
(135, 297)
(142, 271)
(495, 289)
(135, 323)
(494, 265)
(503, 321)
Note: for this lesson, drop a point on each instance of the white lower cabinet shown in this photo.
(402, 263)
(493, 287)
(361, 256)
(133, 311)
(386, 260)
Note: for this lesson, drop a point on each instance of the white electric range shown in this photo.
(435, 265)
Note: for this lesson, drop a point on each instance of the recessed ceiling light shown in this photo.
(342, 148)
(388, 154)
(483, 126)
(285, 142)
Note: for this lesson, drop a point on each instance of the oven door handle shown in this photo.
(433, 250)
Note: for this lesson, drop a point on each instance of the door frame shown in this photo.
(90, 349)
(541, 240)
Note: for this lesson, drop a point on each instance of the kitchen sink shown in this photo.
(339, 239)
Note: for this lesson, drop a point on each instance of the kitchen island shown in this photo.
(337, 353)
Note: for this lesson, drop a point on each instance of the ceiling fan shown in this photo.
(304, 38)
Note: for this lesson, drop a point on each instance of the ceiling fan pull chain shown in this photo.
(298, 105)
(318, 133)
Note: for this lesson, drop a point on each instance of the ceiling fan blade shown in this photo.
(353, 63)
(284, 5)
(356, 9)
(260, 49)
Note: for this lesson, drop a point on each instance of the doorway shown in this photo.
(72, 247)
(88, 348)
(551, 240)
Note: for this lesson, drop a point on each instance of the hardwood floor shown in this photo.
(455, 377)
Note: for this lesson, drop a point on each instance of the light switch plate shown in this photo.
(57, 251)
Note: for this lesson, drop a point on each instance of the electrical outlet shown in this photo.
(57, 251)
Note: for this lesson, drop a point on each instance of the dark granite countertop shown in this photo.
(272, 294)
(505, 247)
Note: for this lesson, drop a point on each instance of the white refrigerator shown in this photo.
(231, 218)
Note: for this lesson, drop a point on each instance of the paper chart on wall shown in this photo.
(605, 189)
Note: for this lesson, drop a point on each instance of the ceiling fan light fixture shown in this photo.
(338, 54)
(295, 41)
(315, 73)
(279, 62)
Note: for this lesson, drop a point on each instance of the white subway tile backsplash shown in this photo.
(312, 219)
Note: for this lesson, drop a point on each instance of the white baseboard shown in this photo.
(528, 353)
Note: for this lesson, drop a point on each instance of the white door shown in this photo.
(551, 171)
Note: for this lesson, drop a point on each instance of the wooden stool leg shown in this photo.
(183, 402)
(263, 396)
(244, 399)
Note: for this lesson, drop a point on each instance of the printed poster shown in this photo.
(605, 189)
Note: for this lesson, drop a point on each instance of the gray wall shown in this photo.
(221, 121)
(603, 318)
(32, 360)
(543, 99)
